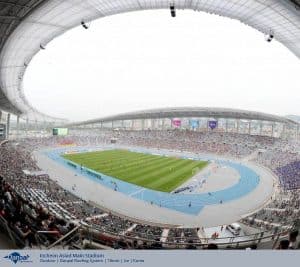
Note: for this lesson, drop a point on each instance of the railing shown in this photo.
(92, 234)
(206, 240)
(86, 234)
(60, 240)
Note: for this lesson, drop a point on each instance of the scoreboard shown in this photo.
(2, 131)
(60, 131)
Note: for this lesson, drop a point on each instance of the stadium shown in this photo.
(168, 178)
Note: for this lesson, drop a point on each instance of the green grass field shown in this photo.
(150, 171)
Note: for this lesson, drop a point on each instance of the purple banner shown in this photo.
(176, 122)
(212, 124)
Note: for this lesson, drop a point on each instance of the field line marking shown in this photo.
(136, 192)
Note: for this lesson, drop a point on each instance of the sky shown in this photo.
(147, 59)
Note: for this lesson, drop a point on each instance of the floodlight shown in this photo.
(269, 37)
(173, 10)
(85, 25)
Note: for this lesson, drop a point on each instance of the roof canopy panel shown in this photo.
(27, 26)
(191, 112)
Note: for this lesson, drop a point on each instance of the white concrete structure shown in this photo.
(27, 28)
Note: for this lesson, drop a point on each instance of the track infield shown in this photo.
(160, 173)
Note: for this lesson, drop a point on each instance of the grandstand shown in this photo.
(215, 168)
(65, 202)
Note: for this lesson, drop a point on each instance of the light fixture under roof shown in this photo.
(173, 10)
(270, 36)
(85, 25)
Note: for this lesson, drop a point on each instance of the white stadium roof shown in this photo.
(26, 26)
(190, 112)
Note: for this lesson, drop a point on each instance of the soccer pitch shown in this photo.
(159, 173)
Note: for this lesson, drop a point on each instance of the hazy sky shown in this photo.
(147, 59)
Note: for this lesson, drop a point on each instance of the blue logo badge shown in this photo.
(17, 257)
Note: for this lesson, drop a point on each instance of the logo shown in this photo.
(17, 257)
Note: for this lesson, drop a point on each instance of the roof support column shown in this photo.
(238, 125)
(7, 125)
(35, 125)
(27, 125)
(226, 126)
(18, 126)
(260, 128)
(283, 130)
(249, 129)
(163, 123)
(297, 132)
(272, 132)
(0, 116)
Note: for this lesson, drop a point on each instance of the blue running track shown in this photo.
(248, 181)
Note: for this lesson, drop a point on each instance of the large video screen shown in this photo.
(60, 131)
